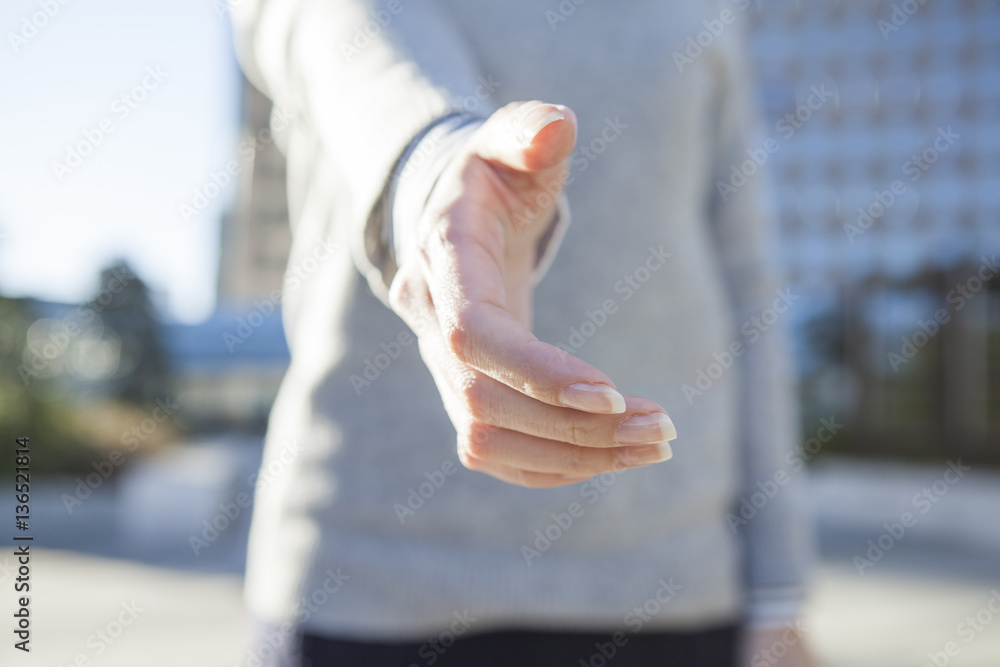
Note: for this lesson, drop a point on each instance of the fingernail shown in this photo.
(633, 457)
(536, 120)
(592, 398)
(646, 429)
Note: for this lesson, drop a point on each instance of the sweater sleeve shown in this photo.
(777, 537)
(366, 78)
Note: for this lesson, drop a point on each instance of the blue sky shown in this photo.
(64, 82)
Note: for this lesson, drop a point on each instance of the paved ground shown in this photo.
(184, 609)
(904, 609)
(889, 619)
(175, 618)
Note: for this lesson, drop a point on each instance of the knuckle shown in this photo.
(523, 478)
(456, 334)
(534, 480)
(478, 443)
(536, 358)
(620, 460)
(456, 337)
(406, 300)
(399, 291)
(473, 388)
(452, 235)
(577, 432)
(403, 289)
(467, 459)
(515, 106)
(580, 461)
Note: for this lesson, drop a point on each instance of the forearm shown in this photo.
(363, 83)
(771, 516)
(772, 513)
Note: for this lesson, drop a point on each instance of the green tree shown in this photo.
(124, 305)
(27, 406)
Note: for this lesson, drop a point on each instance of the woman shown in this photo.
(548, 535)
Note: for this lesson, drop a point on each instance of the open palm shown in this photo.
(526, 412)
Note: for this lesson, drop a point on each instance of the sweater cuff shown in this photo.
(418, 170)
(774, 607)
(548, 244)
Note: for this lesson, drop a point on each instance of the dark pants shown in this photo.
(708, 648)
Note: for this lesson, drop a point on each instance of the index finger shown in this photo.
(491, 340)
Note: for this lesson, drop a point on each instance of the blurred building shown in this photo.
(911, 97)
(884, 118)
(255, 233)
(230, 366)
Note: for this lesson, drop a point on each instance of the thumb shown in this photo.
(528, 136)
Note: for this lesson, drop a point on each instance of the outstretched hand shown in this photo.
(526, 412)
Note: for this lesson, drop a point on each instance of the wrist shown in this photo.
(774, 608)
(417, 172)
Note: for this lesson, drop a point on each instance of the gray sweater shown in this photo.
(368, 526)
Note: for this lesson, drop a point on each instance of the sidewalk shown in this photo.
(889, 619)
(932, 582)
(103, 612)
